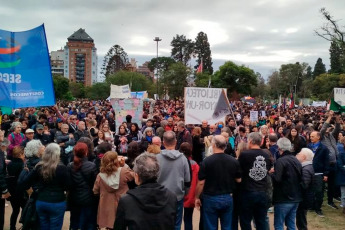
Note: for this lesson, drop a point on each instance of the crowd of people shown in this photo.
(75, 157)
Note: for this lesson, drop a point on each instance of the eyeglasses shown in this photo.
(74, 119)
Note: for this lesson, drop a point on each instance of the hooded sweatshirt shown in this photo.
(149, 206)
(174, 173)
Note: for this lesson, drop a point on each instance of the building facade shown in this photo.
(80, 63)
(57, 59)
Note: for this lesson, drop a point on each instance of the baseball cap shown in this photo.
(59, 120)
(39, 126)
(29, 131)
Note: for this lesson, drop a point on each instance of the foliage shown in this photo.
(262, 89)
(61, 86)
(182, 49)
(202, 79)
(323, 85)
(336, 57)
(274, 84)
(175, 79)
(203, 52)
(237, 79)
(115, 60)
(77, 89)
(98, 91)
(162, 63)
(137, 81)
(319, 68)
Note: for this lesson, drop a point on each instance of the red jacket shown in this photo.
(189, 199)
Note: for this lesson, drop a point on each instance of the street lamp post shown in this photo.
(157, 39)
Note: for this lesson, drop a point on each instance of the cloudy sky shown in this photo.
(261, 34)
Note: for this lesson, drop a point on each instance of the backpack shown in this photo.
(21, 134)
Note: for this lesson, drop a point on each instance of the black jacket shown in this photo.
(52, 191)
(44, 138)
(82, 183)
(287, 178)
(149, 206)
(307, 188)
(14, 168)
(64, 138)
(3, 185)
(79, 134)
(321, 160)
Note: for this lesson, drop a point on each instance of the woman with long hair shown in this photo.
(110, 184)
(52, 179)
(135, 133)
(99, 139)
(122, 132)
(108, 135)
(280, 131)
(81, 199)
(297, 142)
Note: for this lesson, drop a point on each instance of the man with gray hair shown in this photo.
(150, 205)
(255, 164)
(287, 194)
(183, 135)
(217, 176)
(174, 172)
(306, 158)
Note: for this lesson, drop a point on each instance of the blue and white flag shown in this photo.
(25, 72)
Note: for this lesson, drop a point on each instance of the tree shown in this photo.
(330, 30)
(274, 84)
(319, 68)
(61, 86)
(324, 84)
(175, 79)
(336, 58)
(137, 81)
(203, 80)
(98, 91)
(162, 63)
(77, 89)
(262, 89)
(203, 52)
(237, 79)
(292, 76)
(182, 49)
(115, 60)
(309, 74)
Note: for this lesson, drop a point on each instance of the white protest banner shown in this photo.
(200, 104)
(319, 103)
(254, 115)
(339, 96)
(120, 91)
(129, 106)
(263, 113)
(222, 108)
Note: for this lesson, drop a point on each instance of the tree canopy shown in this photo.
(203, 52)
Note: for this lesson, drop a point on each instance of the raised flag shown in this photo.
(336, 107)
(25, 72)
(200, 67)
(292, 103)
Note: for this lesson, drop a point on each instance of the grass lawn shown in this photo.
(334, 218)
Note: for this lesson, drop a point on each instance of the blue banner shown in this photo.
(25, 72)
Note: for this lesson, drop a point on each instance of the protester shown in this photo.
(110, 184)
(3, 186)
(33, 153)
(15, 138)
(306, 158)
(198, 148)
(41, 135)
(81, 131)
(328, 139)
(340, 175)
(18, 198)
(217, 190)
(99, 139)
(53, 180)
(189, 199)
(150, 205)
(255, 164)
(297, 141)
(321, 168)
(183, 135)
(66, 141)
(29, 135)
(287, 192)
(174, 173)
(81, 200)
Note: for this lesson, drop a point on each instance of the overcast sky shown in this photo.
(262, 34)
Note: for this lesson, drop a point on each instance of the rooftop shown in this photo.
(80, 35)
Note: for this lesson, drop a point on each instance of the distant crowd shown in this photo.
(153, 174)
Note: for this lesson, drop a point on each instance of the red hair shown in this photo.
(80, 151)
